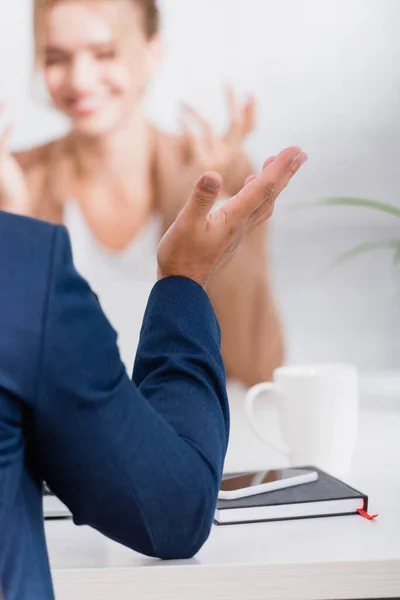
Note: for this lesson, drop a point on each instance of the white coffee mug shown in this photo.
(318, 414)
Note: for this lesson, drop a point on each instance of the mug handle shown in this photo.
(272, 390)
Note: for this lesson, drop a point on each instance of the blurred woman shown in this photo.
(113, 179)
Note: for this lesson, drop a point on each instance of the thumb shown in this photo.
(204, 195)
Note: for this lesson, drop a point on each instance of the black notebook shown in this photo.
(326, 497)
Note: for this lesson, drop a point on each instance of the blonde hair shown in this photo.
(151, 19)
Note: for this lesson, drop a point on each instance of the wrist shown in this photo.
(201, 281)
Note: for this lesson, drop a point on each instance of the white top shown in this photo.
(99, 264)
(122, 280)
(342, 557)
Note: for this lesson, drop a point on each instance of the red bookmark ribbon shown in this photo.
(365, 515)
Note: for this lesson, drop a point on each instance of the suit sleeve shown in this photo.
(140, 460)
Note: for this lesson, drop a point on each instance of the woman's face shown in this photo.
(97, 62)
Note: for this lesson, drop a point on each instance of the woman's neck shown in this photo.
(115, 151)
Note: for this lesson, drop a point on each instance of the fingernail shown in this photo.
(210, 183)
(303, 159)
(300, 159)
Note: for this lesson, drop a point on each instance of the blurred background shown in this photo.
(326, 77)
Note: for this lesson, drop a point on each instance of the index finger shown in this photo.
(204, 124)
(234, 133)
(249, 116)
(267, 186)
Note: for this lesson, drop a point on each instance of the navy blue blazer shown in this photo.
(140, 460)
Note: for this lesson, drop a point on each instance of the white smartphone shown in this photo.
(241, 485)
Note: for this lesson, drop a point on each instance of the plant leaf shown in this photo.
(390, 209)
(396, 259)
(363, 248)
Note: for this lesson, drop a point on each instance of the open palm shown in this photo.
(200, 241)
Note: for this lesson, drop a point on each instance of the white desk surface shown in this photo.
(316, 559)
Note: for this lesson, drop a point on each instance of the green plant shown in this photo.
(389, 209)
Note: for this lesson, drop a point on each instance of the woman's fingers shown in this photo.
(242, 118)
(263, 190)
(249, 116)
(5, 137)
(206, 127)
(194, 144)
(234, 134)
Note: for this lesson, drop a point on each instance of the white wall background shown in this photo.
(327, 77)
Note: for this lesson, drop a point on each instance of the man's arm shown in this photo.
(140, 463)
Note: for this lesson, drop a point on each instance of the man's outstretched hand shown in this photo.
(200, 241)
